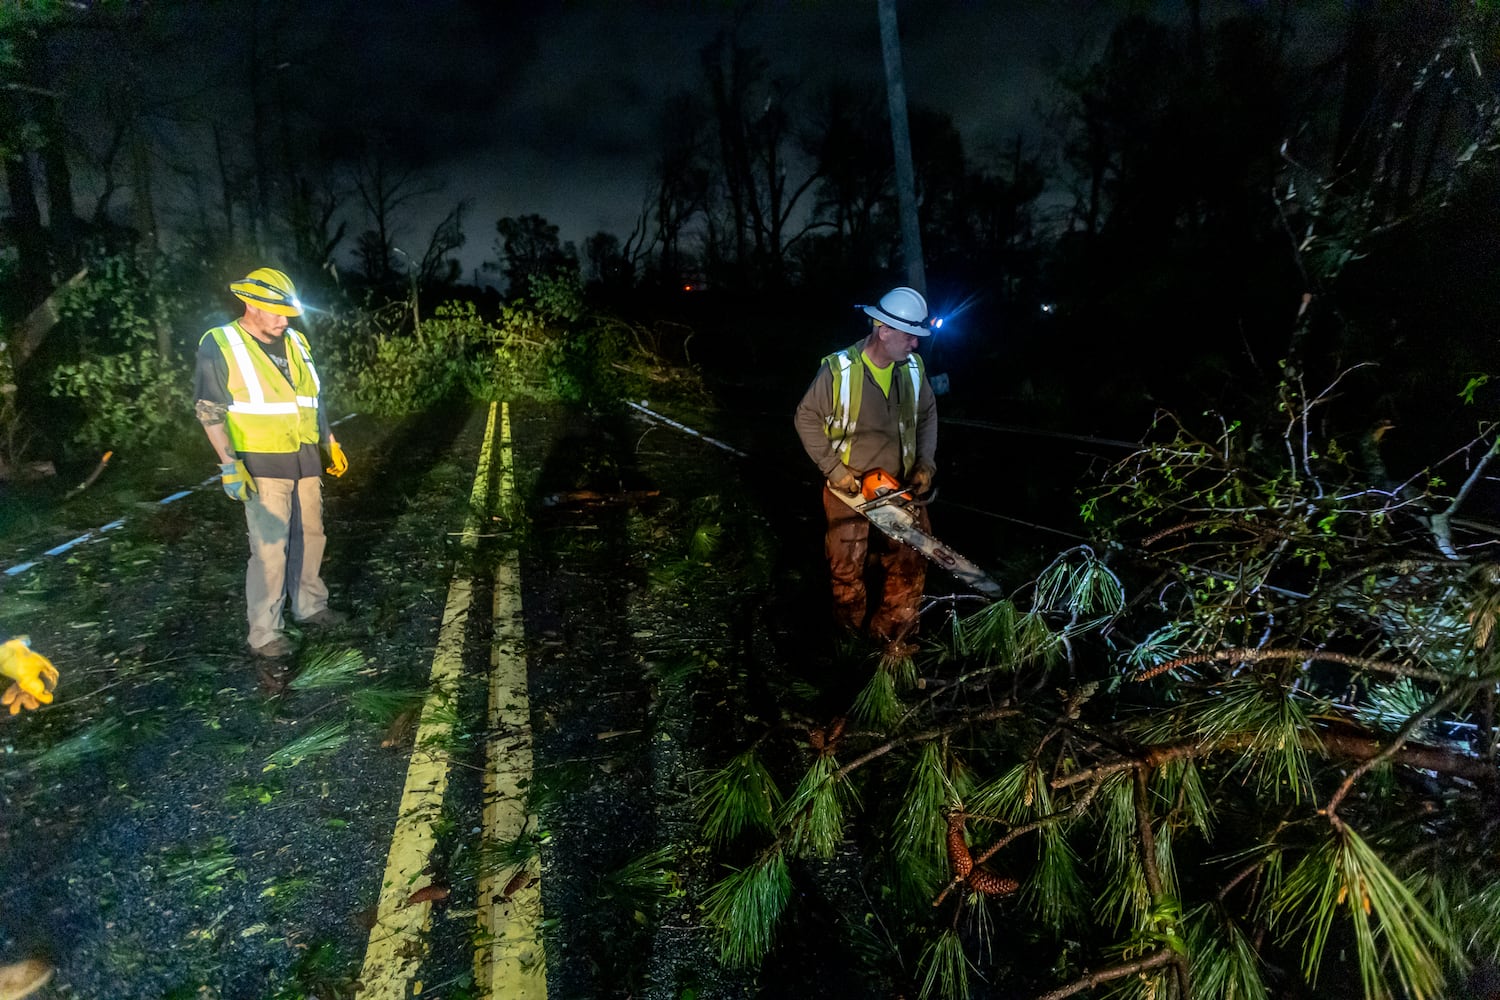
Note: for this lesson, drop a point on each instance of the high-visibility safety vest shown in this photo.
(267, 414)
(848, 383)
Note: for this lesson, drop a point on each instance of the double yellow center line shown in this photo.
(508, 960)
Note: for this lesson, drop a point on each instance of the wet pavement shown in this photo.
(168, 829)
(174, 827)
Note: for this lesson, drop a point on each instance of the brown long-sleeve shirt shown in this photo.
(876, 440)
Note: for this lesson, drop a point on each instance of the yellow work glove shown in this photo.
(845, 481)
(337, 463)
(236, 481)
(32, 674)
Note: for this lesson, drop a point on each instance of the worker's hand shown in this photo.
(337, 463)
(236, 481)
(33, 675)
(845, 481)
(921, 479)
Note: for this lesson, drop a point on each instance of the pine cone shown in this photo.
(826, 740)
(991, 884)
(958, 851)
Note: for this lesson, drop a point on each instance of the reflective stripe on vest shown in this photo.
(844, 416)
(266, 413)
(847, 369)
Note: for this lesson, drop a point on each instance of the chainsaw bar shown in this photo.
(895, 520)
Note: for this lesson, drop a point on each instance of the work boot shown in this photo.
(327, 618)
(273, 650)
(22, 979)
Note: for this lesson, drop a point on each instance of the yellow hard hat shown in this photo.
(269, 289)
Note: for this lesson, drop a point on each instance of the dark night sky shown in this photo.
(551, 107)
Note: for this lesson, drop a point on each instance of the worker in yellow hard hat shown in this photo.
(258, 399)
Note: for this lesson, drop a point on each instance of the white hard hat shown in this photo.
(904, 309)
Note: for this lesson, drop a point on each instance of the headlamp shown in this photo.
(930, 323)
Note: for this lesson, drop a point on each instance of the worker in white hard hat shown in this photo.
(870, 407)
(258, 399)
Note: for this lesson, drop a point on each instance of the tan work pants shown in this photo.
(285, 521)
(860, 558)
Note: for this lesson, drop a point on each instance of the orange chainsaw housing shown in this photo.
(877, 483)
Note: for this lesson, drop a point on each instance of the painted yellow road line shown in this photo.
(509, 963)
(397, 941)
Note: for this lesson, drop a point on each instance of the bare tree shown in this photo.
(682, 181)
(756, 127)
(384, 189)
(438, 266)
(315, 203)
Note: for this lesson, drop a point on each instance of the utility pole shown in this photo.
(906, 182)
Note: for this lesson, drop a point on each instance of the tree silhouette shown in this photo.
(528, 246)
(681, 185)
(608, 267)
(31, 125)
(384, 189)
(755, 124)
(437, 266)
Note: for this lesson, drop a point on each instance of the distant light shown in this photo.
(687, 288)
(1049, 307)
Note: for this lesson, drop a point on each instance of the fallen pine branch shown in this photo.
(1348, 743)
(1155, 960)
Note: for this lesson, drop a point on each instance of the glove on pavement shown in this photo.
(33, 675)
(237, 482)
(338, 464)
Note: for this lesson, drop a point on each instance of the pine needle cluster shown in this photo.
(327, 667)
(317, 742)
(745, 906)
(646, 881)
(739, 798)
(94, 740)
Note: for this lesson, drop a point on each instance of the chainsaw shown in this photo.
(888, 505)
(879, 488)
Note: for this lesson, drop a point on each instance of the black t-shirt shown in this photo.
(211, 382)
(276, 351)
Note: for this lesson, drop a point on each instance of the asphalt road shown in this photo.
(171, 828)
